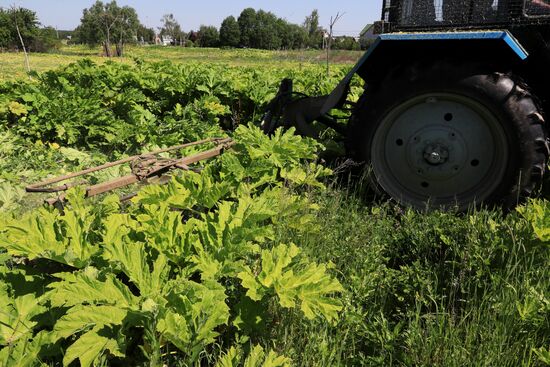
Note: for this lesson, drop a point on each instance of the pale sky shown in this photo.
(65, 14)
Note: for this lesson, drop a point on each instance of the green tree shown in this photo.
(105, 23)
(208, 36)
(10, 20)
(46, 40)
(145, 34)
(266, 35)
(294, 37)
(34, 38)
(230, 32)
(248, 26)
(126, 28)
(171, 28)
(314, 31)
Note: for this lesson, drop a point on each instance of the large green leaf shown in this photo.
(26, 351)
(35, 236)
(200, 308)
(89, 347)
(89, 287)
(17, 316)
(293, 282)
(82, 318)
(134, 262)
(256, 358)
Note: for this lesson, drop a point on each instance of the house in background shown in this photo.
(167, 40)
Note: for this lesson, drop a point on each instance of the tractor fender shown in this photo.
(394, 49)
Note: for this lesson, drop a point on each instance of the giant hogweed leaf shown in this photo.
(174, 328)
(543, 355)
(50, 235)
(293, 282)
(35, 236)
(25, 352)
(243, 222)
(293, 211)
(173, 194)
(231, 234)
(231, 358)
(257, 358)
(186, 191)
(9, 196)
(282, 149)
(87, 287)
(268, 159)
(82, 318)
(306, 175)
(310, 286)
(233, 165)
(199, 307)
(98, 306)
(16, 316)
(163, 230)
(537, 212)
(89, 347)
(77, 227)
(274, 263)
(207, 265)
(117, 227)
(205, 190)
(132, 257)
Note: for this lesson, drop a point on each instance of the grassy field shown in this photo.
(12, 65)
(421, 289)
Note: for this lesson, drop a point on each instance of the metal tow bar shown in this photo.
(144, 167)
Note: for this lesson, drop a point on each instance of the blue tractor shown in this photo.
(453, 112)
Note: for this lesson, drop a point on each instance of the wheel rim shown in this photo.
(440, 150)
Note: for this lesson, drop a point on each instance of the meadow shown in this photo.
(12, 65)
(266, 258)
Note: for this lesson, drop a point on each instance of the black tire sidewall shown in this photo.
(497, 93)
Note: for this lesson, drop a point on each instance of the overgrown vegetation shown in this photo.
(252, 262)
(427, 289)
(146, 283)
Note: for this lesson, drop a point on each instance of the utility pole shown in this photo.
(333, 21)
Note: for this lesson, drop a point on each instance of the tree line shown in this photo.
(264, 30)
(112, 27)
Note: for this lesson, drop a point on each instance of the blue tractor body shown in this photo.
(473, 45)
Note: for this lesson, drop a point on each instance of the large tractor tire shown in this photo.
(439, 137)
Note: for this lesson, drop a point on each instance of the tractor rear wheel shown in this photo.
(445, 138)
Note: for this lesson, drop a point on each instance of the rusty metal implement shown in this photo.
(144, 167)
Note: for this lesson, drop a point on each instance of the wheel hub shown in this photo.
(436, 154)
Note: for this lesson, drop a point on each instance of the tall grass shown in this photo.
(423, 289)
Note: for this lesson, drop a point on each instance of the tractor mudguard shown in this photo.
(391, 49)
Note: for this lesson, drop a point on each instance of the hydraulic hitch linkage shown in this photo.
(290, 108)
